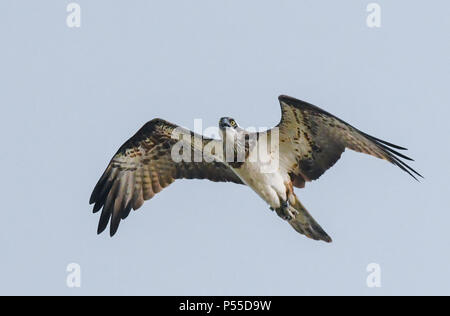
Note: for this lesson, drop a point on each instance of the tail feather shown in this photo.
(305, 224)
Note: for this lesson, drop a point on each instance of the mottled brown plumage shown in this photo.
(143, 166)
(311, 141)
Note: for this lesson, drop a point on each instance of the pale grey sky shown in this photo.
(71, 97)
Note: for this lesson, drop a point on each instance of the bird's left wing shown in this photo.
(312, 140)
(145, 164)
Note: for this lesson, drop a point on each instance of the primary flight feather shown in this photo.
(309, 141)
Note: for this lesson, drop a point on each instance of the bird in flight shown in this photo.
(306, 143)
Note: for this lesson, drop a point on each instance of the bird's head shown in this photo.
(227, 122)
(228, 127)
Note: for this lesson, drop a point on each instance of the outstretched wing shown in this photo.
(312, 140)
(143, 166)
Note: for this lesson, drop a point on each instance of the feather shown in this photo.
(323, 138)
(142, 167)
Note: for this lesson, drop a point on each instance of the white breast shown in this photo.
(261, 172)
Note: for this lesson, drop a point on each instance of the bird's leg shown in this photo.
(284, 211)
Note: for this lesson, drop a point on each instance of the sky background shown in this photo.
(70, 97)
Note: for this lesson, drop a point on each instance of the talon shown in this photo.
(284, 211)
(292, 214)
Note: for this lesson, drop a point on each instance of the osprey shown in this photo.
(308, 141)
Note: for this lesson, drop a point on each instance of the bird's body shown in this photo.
(268, 185)
(299, 149)
(271, 187)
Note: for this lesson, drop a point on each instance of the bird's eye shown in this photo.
(233, 123)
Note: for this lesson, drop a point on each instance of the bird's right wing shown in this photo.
(145, 164)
